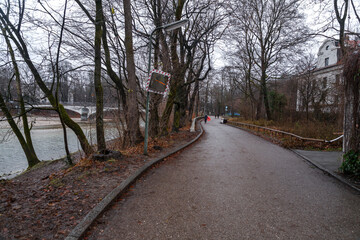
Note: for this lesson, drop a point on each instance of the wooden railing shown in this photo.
(279, 132)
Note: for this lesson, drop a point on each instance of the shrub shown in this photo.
(351, 164)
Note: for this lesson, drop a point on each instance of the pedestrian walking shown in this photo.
(205, 118)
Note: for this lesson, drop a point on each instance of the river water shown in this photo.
(48, 144)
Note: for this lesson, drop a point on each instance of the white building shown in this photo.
(325, 81)
(328, 54)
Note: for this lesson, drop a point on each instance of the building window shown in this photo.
(337, 80)
(326, 62)
(324, 83)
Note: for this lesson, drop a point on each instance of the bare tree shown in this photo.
(351, 78)
(15, 34)
(278, 29)
(100, 136)
(193, 43)
(132, 114)
(26, 143)
(307, 84)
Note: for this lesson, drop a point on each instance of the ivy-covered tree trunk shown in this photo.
(85, 146)
(352, 103)
(177, 76)
(180, 106)
(351, 57)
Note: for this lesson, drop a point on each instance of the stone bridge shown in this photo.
(77, 108)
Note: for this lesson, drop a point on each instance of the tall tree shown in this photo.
(100, 135)
(278, 28)
(57, 89)
(132, 114)
(189, 54)
(307, 84)
(127, 90)
(26, 143)
(16, 36)
(351, 78)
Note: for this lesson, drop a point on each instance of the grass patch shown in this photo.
(306, 129)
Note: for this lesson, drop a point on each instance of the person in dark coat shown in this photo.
(205, 118)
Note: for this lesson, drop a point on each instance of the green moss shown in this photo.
(56, 183)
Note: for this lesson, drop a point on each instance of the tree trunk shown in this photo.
(165, 118)
(192, 100)
(132, 114)
(207, 96)
(349, 121)
(265, 94)
(198, 103)
(100, 135)
(57, 73)
(177, 75)
(22, 48)
(20, 95)
(154, 114)
(26, 143)
(179, 102)
(30, 155)
(259, 105)
(351, 90)
(155, 99)
(352, 105)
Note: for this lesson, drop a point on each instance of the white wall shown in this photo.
(327, 50)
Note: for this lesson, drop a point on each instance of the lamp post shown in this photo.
(168, 27)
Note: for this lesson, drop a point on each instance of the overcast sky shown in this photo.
(317, 16)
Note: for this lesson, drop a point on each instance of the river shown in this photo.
(48, 144)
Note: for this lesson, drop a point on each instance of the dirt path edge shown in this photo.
(89, 219)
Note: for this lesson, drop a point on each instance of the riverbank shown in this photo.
(47, 202)
(41, 122)
(47, 137)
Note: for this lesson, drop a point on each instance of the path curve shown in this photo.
(234, 185)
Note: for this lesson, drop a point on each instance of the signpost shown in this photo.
(158, 82)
